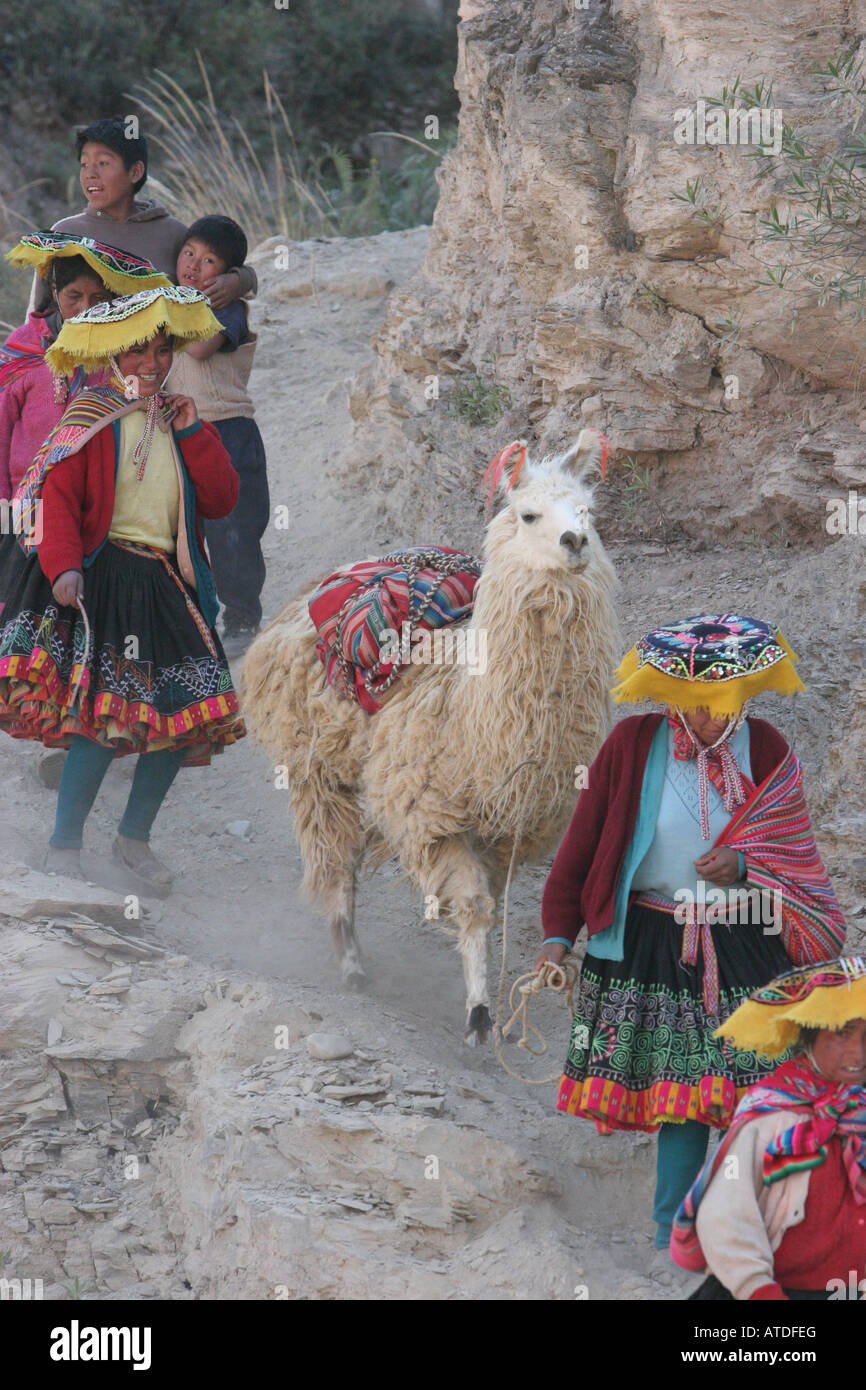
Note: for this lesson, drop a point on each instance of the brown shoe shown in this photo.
(138, 856)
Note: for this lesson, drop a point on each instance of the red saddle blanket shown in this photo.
(357, 610)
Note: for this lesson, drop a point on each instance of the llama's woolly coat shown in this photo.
(442, 757)
(459, 763)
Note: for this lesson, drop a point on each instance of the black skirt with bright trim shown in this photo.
(149, 674)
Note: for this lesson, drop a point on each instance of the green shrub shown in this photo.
(479, 399)
(813, 246)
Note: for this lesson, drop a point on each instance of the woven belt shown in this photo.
(696, 932)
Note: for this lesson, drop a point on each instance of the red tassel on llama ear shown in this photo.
(497, 466)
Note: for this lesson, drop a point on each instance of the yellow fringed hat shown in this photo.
(713, 662)
(118, 270)
(827, 995)
(90, 339)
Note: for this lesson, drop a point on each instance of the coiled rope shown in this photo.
(561, 978)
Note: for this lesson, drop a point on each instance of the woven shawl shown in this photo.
(91, 410)
(19, 355)
(773, 830)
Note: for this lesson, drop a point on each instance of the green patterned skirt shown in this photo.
(641, 1049)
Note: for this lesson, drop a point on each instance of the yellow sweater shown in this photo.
(145, 512)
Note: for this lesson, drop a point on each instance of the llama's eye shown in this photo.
(529, 516)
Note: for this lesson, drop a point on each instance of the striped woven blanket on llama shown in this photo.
(354, 608)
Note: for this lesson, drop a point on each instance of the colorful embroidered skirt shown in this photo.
(152, 676)
(641, 1049)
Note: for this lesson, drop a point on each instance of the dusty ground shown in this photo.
(251, 1181)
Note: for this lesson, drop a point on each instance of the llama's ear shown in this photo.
(589, 453)
(507, 470)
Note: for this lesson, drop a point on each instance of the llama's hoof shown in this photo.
(478, 1026)
(356, 981)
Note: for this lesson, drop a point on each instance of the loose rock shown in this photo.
(329, 1047)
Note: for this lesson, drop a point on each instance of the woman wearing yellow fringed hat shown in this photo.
(79, 272)
(691, 861)
(107, 636)
(779, 1210)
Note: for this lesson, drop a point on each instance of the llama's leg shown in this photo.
(458, 879)
(473, 943)
(331, 837)
(342, 924)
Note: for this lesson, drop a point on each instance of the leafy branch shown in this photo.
(817, 225)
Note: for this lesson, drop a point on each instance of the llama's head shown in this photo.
(547, 520)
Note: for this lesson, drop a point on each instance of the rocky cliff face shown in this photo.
(560, 246)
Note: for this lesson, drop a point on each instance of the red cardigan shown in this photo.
(78, 494)
(581, 885)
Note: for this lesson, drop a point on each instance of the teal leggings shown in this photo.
(85, 767)
(681, 1153)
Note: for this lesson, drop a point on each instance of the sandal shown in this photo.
(138, 856)
(66, 862)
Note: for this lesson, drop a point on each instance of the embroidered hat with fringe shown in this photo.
(118, 270)
(91, 339)
(713, 662)
(828, 994)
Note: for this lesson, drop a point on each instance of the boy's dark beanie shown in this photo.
(112, 131)
(222, 235)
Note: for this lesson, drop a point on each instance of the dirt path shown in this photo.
(237, 907)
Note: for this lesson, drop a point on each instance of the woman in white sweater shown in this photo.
(779, 1211)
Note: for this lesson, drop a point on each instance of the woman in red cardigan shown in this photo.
(107, 634)
(79, 272)
(691, 862)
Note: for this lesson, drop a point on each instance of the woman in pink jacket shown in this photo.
(79, 272)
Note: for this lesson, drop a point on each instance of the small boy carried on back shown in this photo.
(215, 374)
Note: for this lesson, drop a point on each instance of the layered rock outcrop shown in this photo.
(560, 245)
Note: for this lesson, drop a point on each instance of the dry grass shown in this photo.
(210, 164)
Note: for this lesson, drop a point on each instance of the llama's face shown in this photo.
(551, 513)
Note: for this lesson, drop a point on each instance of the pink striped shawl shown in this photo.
(773, 830)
